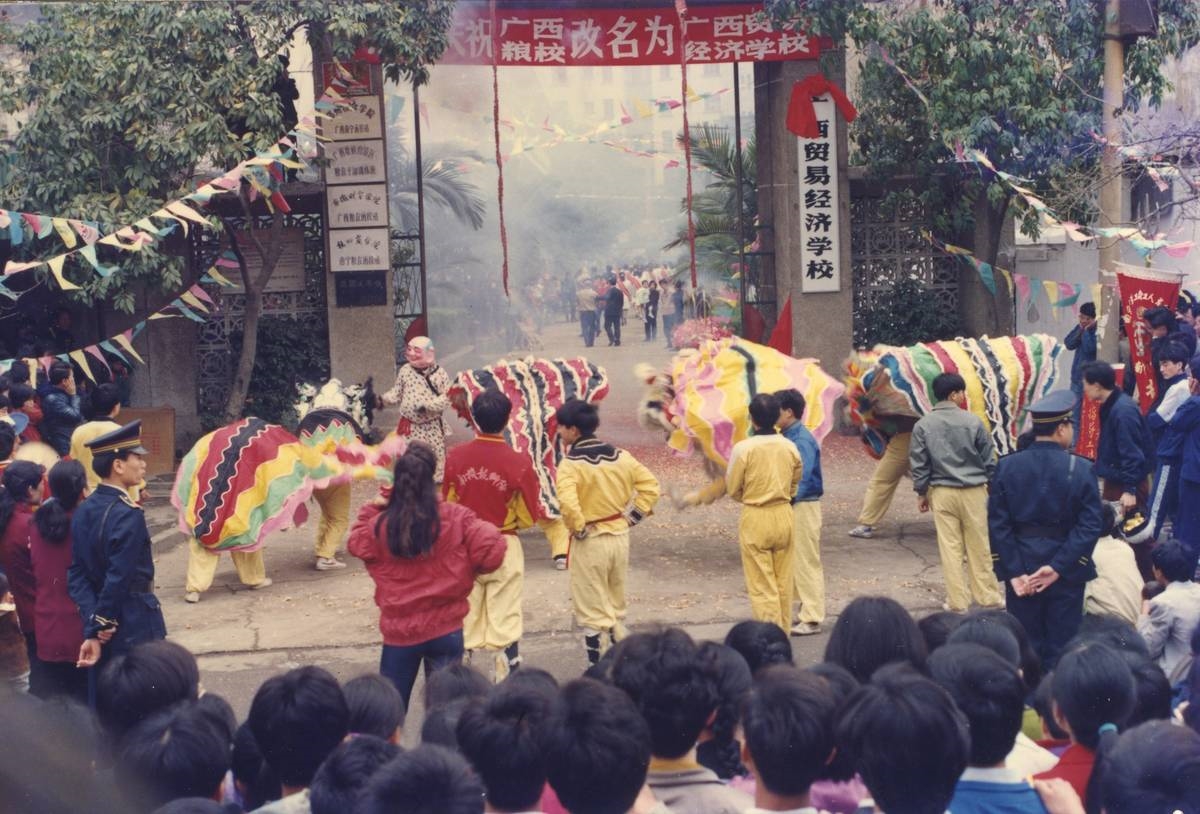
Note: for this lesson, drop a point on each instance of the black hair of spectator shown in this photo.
(946, 384)
(375, 706)
(1110, 519)
(1111, 630)
(18, 374)
(105, 398)
(1093, 686)
(342, 778)
(602, 670)
(4, 402)
(661, 672)
(764, 412)
(19, 394)
(989, 633)
(760, 643)
(937, 627)
(580, 415)
(192, 805)
(60, 371)
(1174, 352)
(5, 383)
(1153, 689)
(67, 483)
(254, 779)
(791, 399)
(1159, 317)
(8, 440)
(873, 631)
(1031, 663)
(1088, 309)
(500, 737)
(177, 752)
(440, 727)
(842, 684)
(298, 718)
(22, 480)
(597, 748)
(220, 713)
(1153, 767)
(1101, 373)
(147, 679)
(452, 683)
(1173, 560)
(908, 740)
(732, 679)
(491, 410)
(987, 689)
(788, 721)
(425, 780)
(1043, 704)
(534, 678)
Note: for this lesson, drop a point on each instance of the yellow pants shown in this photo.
(960, 517)
(202, 567)
(556, 532)
(808, 577)
(599, 566)
(335, 518)
(765, 535)
(887, 475)
(494, 618)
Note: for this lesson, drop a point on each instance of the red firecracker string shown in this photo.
(681, 9)
(499, 160)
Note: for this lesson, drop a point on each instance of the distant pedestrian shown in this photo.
(614, 305)
(585, 304)
(1082, 340)
(808, 577)
(650, 311)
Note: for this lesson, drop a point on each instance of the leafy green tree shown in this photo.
(128, 105)
(1018, 79)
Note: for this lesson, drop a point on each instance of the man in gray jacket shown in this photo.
(1169, 619)
(952, 459)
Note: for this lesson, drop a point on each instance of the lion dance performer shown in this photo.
(420, 392)
(889, 388)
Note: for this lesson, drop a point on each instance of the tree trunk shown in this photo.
(980, 311)
(269, 254)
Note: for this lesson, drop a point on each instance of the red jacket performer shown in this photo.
(496, 482)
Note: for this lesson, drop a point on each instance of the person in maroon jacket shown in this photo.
(424, 556)
(20, 496)
(57, 624)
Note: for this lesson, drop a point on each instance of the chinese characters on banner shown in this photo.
(356, 198)
(820, 257)
(738, 32)
(1142, 288)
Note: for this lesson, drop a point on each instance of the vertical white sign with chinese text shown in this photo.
(820, 250)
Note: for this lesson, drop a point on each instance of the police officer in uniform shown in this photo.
(111, 577)
(1044, 517)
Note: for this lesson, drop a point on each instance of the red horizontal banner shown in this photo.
(738, 32)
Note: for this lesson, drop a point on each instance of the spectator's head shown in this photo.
(989, 633)
(1043, 705)
(411, 518)
(577, 419)
(375, 707)
(1031, 663)
(907, 739)
(1159, 320)
(533, 678)
(254, 780)
(19, 373)
(597, 749)
(491, 410)
(178, 752)
(764, 412)
(946, 385)
(440, 727)
(1153, 767)
(840, 768)
(147, 679)
(937, 627)
(298, 718)
(662, 673)
(53, 518)
(1110, 518)
(1099, 380)
(732, 678)
(1114, 631)
(499, 736)
(987, 689)
(62, 318)
(8, 440)
(1088, 309)
(19, 396)
(1172, 563)
(343, 776)
(220, 714)
(1152, 690)
(426, 780)
(1092, 687)
(788, 723)
(60, 372)
(871, 632)
(760, 644)
(106, 401)
(455, 682)
(791, 406)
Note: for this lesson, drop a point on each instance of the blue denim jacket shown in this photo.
(811, 486)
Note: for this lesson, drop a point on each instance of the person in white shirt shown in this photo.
(1169, 619)
(1117, 588)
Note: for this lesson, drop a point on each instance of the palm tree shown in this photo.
(443, 184)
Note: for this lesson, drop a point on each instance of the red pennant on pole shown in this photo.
(681, 10)
(499, 159)
(781, 334)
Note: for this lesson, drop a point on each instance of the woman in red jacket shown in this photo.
(20, 496)
(57, 622)
(424, 556)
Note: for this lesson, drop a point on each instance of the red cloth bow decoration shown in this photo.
(801, 117)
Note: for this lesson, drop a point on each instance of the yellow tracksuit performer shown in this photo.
(603, 491)
(764, 472)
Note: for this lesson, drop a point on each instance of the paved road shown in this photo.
(684, 568)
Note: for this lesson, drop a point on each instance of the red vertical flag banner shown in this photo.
(1139, 289)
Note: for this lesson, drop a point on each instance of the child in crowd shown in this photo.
(375, 707)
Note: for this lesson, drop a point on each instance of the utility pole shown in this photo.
(1112, 187)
